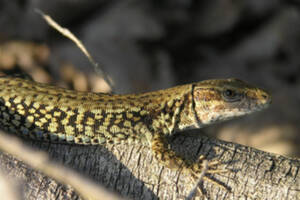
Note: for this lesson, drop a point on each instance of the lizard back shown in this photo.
(50, 113)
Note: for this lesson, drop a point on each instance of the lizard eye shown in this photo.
(231, 95)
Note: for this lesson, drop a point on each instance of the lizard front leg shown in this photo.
(167, 157)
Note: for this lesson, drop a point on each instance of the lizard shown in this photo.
(49, 113)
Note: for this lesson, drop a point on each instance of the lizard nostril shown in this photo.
(266, 97)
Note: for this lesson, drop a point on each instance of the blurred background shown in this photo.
(155, 44)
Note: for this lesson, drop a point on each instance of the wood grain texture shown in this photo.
(134, 173)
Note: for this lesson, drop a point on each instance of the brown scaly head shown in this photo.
(223, 99)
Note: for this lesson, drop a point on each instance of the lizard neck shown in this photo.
(173, 110)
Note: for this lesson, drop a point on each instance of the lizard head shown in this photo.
(219, 100)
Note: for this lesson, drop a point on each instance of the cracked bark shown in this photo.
(132, 172)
